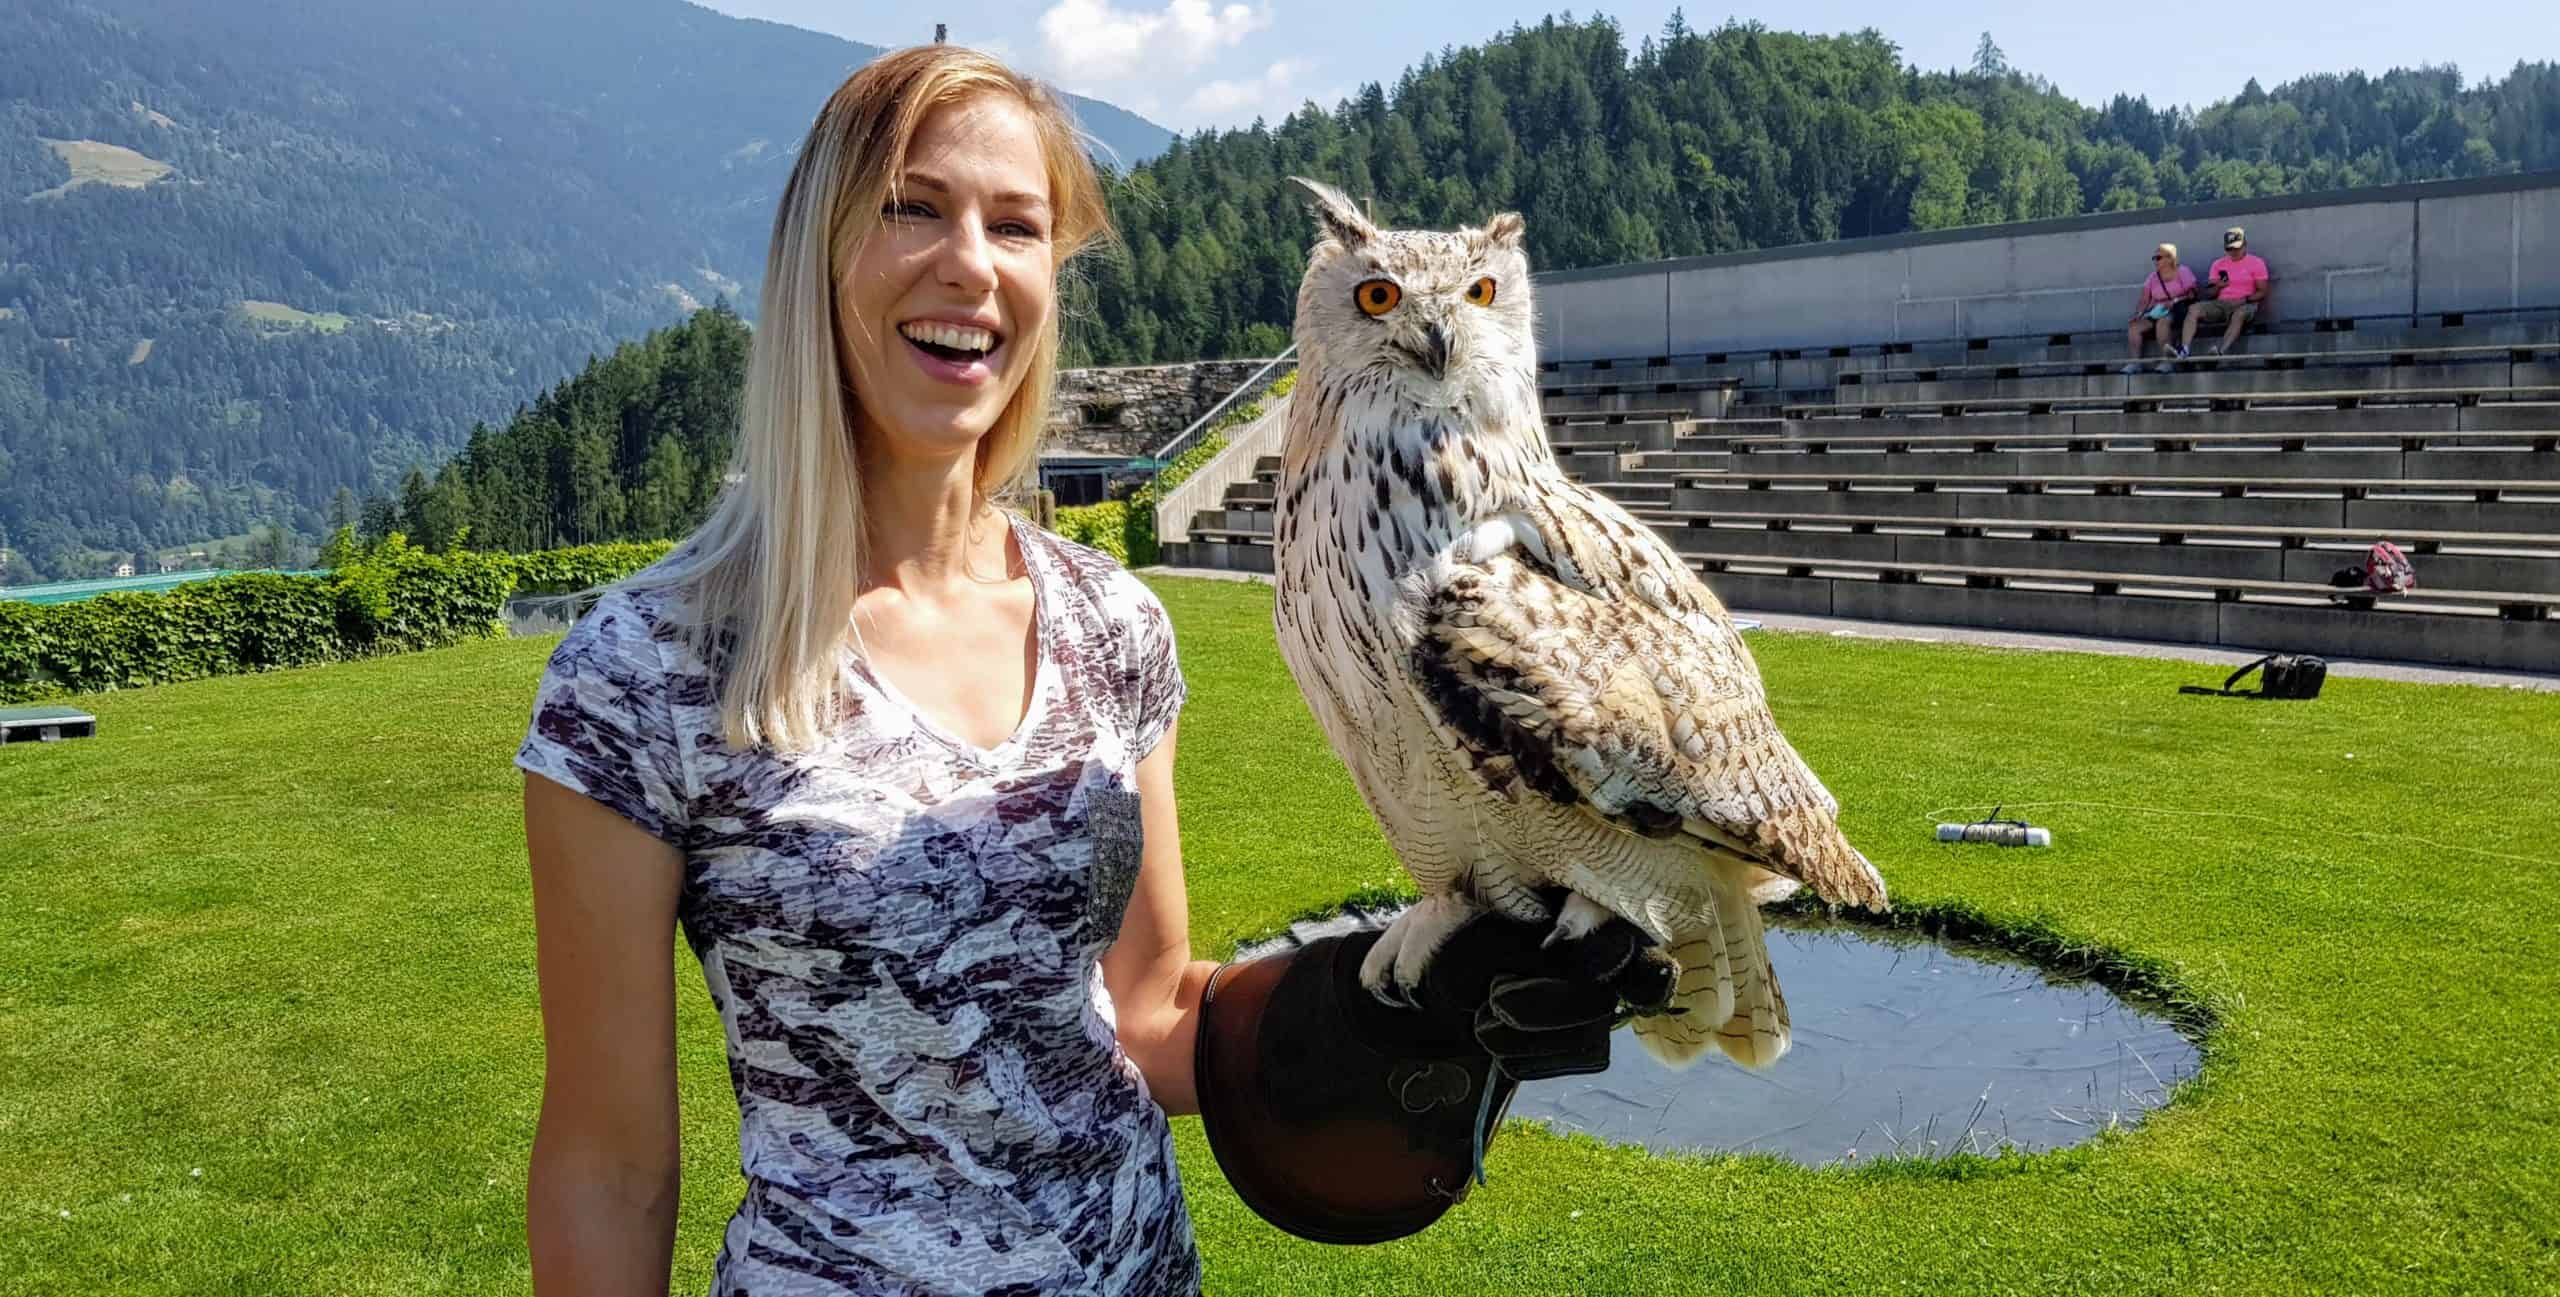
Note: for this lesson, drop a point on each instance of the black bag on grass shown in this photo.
(2285, 675)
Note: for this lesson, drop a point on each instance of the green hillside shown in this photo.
(257, 252)
(352, 228)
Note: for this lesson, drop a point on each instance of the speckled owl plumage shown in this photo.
(1528, 685)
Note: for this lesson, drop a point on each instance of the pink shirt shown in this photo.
(2246, 275)
(2156, 289)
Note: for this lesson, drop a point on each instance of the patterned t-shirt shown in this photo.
(902, 932)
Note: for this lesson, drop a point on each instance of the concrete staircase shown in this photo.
(2026, 484)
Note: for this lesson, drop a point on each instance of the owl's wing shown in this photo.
(1573, 656)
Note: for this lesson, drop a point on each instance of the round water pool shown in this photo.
(1903, 1046)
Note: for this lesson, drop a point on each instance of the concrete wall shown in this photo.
(2401, 251)
(1134, 409)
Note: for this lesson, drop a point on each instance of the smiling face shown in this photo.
(939, 312)
(1445, 313)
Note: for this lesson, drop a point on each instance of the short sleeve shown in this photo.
(1158, 672)
(603, 725)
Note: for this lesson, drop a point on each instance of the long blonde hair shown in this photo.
(768, 581)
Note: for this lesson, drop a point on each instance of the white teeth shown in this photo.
(959, 337)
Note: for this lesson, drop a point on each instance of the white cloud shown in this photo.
(1089, 41)
(1272, 95)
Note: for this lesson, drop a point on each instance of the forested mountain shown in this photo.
(1785, 139)
(630, 449)
(254, 250)
(1740, 137)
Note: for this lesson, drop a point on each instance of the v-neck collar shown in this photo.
(1043, 633)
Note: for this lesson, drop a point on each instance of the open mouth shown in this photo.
(958, 345)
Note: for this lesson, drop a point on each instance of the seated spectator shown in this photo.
(2164, 296)
(2233, 289)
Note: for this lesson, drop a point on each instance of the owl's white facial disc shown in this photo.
(1444, 314)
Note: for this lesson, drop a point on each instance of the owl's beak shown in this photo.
(1435, 350)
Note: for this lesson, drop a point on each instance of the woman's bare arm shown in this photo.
(1155, 984)
(600, 1208)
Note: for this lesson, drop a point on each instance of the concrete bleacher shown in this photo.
(2018, 480)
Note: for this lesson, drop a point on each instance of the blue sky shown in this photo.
(1194, 63)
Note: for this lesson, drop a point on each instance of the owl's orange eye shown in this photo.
(1377, 296)
(1481, 291)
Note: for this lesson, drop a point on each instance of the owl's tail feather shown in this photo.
(1727, 995)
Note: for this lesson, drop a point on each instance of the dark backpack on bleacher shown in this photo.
(2285, 675)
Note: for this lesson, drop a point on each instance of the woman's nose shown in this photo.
(966, 260)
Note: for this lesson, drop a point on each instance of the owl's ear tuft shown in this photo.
(1335, 211)
(1506, 229)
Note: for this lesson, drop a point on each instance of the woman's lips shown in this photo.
(961, 373)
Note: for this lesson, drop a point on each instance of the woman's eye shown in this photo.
(917, 211)
(1018, 230)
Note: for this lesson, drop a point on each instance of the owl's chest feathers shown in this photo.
(1371, 493)
(1391, 493)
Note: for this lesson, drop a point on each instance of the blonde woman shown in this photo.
(900, 764)
(2157, 308)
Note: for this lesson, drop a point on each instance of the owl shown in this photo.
(1530, 688)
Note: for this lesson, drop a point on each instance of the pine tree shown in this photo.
(342, 547)
(378, 518)
(1988, 61)
(413, 508)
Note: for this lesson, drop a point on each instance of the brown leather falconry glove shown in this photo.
(1344, 1119)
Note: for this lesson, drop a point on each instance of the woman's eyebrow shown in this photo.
(935, 184)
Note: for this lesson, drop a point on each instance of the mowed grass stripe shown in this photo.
(276, 927)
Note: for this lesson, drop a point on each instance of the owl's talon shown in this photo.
(1393, 968)
(1427, 927)
(1378, 967)
(1580, 917)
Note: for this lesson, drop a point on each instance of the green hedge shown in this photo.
(391, 599)
(1104, 526)
(559, 571)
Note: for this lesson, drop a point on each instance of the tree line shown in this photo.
(1739, 137)
(632, 447)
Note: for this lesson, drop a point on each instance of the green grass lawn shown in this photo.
(268, 1018)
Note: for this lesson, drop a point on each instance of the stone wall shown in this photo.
(1133, 410)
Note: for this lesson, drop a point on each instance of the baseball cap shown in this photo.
(2234, 235)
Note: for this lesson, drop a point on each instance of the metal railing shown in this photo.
(1208, 484)
(1251, 386)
